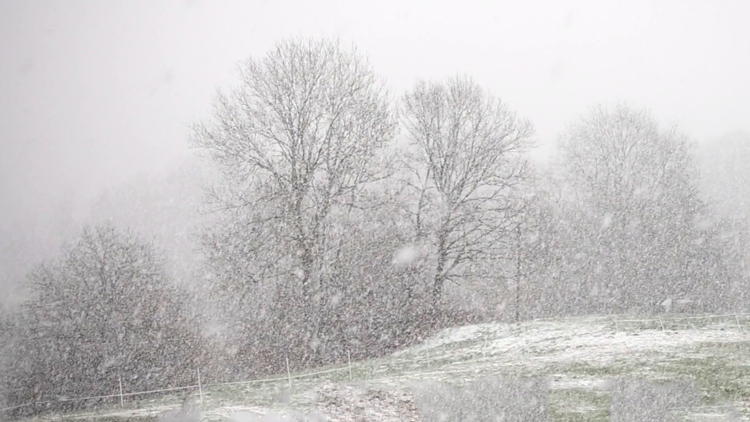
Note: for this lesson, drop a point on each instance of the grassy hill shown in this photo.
(579, 355)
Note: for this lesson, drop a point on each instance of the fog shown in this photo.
(94, 93)
(99, 103)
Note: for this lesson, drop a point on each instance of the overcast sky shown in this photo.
(94, 92)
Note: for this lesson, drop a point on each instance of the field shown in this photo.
(580, 356)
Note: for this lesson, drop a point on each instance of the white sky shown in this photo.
(93, 92)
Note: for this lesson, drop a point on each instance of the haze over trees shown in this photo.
(345, 219)
(464, 173)
(636, 192)
(104, 310)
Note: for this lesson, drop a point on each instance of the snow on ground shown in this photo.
(449, 336)
(595, 342)
(126, 413)
(566, 351)
(243, 414)
(556, 349)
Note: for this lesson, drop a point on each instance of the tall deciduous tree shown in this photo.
(105, 309)
(300, 136)
(637, 203)
(725, 181)
(464, 167)
(725, 175)
(298, 141)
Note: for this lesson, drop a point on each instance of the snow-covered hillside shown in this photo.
(581, 357)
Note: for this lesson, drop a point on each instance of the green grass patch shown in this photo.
(579, 405)
(721, 371)
(110, 419)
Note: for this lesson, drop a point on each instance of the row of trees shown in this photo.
(626, 226)
(318, 198)
(345, 221)
(104, 310)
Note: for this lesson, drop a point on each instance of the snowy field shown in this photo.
(580, 356)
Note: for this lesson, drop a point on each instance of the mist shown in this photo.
(99, 103)
(94, 94)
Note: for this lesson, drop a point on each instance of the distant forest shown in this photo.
(324, 215)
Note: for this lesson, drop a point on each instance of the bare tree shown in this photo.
(104, 309)
(725, 177)
(636, 194)
(8, 334)
(529, 250)
(301, 135)
(464, 167)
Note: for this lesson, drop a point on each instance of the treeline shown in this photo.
(349, 221)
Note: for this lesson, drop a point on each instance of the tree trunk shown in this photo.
(518, 272)
(439, 280)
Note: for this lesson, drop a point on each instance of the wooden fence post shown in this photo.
(200, 386)
(122, 401)
(288, 373)
(349, 359)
